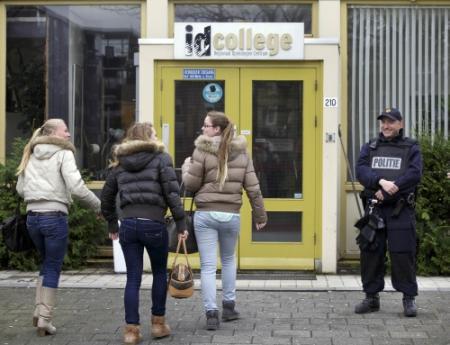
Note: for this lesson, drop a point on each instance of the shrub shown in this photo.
(85, 230)
(433, 207)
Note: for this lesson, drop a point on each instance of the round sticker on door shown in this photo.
(212, 93)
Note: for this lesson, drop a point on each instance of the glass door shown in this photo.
(278, 117)
(187, 94)
(275, 109)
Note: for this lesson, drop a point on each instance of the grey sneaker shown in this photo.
(368, 305)
(212, 320)
(228, 312)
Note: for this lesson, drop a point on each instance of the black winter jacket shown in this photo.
(146, 182)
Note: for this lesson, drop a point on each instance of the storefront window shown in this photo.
(75, 63)
(245, 13)
(397, 57)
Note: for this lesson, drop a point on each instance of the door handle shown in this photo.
(166, 135)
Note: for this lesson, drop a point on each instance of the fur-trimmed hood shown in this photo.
(134, 146)
(211, 144)
(45, 146)
(134, 155)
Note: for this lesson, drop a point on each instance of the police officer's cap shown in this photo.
(392, 113)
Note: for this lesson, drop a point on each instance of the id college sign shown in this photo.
(234, 41)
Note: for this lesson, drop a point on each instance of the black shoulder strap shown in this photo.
(410, 141)
(373, 143)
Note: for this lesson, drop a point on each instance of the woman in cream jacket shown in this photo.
(48, 178)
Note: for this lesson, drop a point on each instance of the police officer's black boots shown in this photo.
(409, 306)
(369, 304)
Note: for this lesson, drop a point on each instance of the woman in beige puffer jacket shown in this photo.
(219, 169)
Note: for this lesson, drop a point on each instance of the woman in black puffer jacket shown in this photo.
(143, 176)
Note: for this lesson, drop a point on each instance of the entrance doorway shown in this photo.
(275, 109)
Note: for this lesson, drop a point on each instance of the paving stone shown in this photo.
(96, 317)
(408, 334)
(352, 341)
(237, 339)
(271, 340)
(391, 341)
(311, 341)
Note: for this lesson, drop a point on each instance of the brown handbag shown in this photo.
(181, 278)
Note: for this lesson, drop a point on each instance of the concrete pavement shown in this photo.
(90, 312)
(106, 278)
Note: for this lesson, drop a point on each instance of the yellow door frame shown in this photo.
(296, 255)
(168, 71)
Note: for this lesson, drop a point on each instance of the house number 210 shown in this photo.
(330, 102)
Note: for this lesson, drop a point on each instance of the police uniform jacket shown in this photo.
(398, 160)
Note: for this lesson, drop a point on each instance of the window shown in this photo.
(245, 13)
(75, 63)
(397, 57)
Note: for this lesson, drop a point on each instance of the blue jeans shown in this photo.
(208, 232)
(135, 234)
(49, 234)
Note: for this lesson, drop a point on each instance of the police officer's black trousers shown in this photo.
(399, 237)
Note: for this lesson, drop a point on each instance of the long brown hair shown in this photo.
(48, 128)
(139, 131)
(219, 119)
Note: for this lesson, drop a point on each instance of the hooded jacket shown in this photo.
(200, 176)
(146, 182)
(51, 177)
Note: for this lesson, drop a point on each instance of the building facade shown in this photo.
(296, 77)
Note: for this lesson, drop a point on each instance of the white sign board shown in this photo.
(239, 41)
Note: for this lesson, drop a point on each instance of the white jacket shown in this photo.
(51, 177)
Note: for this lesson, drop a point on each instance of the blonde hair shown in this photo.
(219, 119)
(48, 128)
(140, 131)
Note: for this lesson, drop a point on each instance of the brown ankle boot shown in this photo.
(131, 335)
(160, 328)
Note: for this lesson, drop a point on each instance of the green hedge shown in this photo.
(86, 232)
(433, 207)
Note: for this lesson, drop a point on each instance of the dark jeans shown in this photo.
(49, 234)
(135, 234)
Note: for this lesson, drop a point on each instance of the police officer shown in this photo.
(390, 167)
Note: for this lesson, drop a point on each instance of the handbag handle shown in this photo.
(18, 208)
(181, 241)
(184, 199)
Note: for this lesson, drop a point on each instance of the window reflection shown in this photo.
(76, 63)
(190, 110)
(245, 13)
(277, 137)
(281, 227)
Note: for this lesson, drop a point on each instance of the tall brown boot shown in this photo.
(37, 300)
(131, 334)
(160, 328)
(48, 299)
